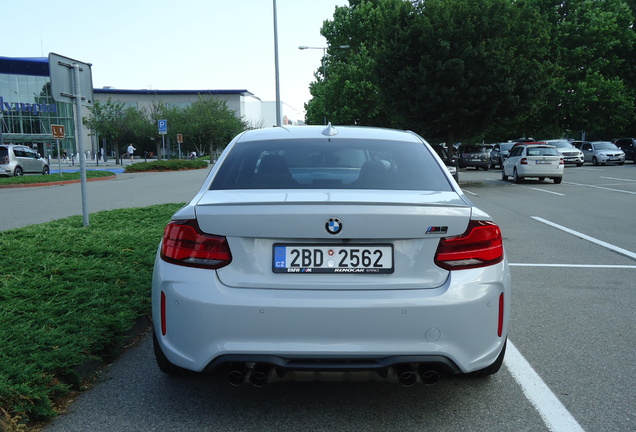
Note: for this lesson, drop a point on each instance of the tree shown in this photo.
(349, 93)
(459, 67)
(119, 124)
(592, 48)
(209, 125)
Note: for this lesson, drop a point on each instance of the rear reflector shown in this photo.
(501, 315)
(184, 244)
(164, 327)
(480, 246)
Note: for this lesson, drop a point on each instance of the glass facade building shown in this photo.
(27, 109)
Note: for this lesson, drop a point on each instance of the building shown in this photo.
(27, 108)
(242, 102)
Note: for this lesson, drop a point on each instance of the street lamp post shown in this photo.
(324, 70)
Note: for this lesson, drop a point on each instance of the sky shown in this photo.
(177, 45)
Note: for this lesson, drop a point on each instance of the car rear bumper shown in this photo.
(202, 324)
(539, 171)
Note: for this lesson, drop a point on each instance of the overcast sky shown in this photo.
(177, 45)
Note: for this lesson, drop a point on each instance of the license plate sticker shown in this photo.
(353, 258)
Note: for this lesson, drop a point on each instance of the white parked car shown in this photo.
(315, 252)
(533, 160)
(602, 152)
(16, 160)
(571, 155)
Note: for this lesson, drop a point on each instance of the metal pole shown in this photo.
(80, 140)
(59, 157)
(278, 116)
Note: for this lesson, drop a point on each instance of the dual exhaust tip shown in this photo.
(407, 376)
(258, 374)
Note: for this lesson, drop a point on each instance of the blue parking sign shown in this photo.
(163, 126)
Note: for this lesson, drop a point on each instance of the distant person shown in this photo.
(131, 151)
(193, 155)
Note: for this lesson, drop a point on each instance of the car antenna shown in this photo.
(329, 130)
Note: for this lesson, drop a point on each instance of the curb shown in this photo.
(57, 183)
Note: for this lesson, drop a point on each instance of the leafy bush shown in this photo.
(68, 297)
(166, 165)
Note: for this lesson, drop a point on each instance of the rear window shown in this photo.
(475, 149)
(335, 164)
(542, 151)
(4, 152)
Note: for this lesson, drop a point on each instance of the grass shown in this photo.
(68, 295)
(166, 165)
(30, 179)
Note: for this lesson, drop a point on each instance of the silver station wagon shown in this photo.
(329, 253)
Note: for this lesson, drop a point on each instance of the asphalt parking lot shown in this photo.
(572, 253)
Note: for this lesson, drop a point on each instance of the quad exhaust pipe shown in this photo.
(258, 374)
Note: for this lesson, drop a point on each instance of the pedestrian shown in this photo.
(193, 155)
(131, 150)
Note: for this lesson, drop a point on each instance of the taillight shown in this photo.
(561, 162)
(185, 244)
(523, 161)
(480, 246)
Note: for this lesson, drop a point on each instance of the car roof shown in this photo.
(339, 132)
(538, 145)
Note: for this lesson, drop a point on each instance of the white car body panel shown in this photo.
(207, 319)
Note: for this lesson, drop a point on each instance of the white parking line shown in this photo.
(556, 417)
(609, 246)
(617, 178)
(603, 188)
(573, 265)
(547, 191)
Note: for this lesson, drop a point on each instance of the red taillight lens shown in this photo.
(480, 246)
(184, 244)
(523, 161)
(561, 162)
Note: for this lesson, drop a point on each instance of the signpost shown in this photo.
(163, 130)
(180, 141)
(72, 81)
(58, 134)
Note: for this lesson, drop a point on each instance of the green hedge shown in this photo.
(68, 295)
(166, 165)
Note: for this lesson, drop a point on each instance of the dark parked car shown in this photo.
(477, 156)
(442, 152)
(499, 152)
(628, 145)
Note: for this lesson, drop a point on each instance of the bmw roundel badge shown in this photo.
(334, 225)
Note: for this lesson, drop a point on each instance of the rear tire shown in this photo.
(17, 171)
(504, 177)
(557, 180)
(516, 177)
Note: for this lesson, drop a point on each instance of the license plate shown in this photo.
(544, 162)
(312, 258)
